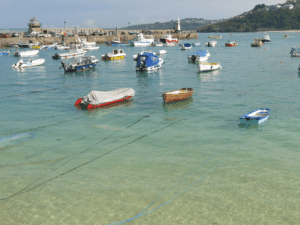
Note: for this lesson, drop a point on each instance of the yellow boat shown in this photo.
(116, 54)
(36, 47)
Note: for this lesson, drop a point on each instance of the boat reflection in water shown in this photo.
(184, 104)
(211, 76)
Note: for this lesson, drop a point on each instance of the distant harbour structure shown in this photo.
(178, 30)
(34, 25)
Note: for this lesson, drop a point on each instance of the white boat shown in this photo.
(266, 39)
(75, 51)
(30, 63)
(196, 44)
(172, 44)
(97, 99)
(26, 53)
(61, 47)
(186, 46)
(148, 62)
(88, 45)
(135, 57)
(160, 44)
(116, 54)
(199, 56)
(141, 40)
(167, 38)
(255, 117)
(161, 52)
(211, 44)
(206, 67)
(295, 52)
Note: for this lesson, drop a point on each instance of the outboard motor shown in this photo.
(55, 56)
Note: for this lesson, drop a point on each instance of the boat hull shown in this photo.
(255, 117)
(107, 58)
(177, 95)
(207, 67)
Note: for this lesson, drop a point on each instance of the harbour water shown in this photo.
(143, 162)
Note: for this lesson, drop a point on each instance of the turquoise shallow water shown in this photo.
(143, 162)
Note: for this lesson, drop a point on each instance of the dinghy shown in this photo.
(148, 62)
(161, 52)
(5, 52)
(206, 67)
(231, 44)
(177, 95)
(25, 53)
(30, 63)
(256, 117)
(211, 44)
(97, 99)
(116, 54)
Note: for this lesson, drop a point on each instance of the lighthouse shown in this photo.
(178, 26)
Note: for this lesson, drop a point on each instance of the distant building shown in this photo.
(288, 6)
(274, 7)
(34, 25)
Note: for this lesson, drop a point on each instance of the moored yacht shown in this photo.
(141, 40)
(168, 39)
(266, 39)
(75, 51)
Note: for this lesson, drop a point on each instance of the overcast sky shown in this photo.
(117, 13)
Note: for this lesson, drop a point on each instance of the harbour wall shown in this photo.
(123, 35)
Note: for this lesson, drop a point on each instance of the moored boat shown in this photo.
(177, 95)
(186, 46)
(75, 51)
(160, 44)
(148, 62)
(116, 54)
(266, 39)
(5, 52)
(88, 45)
(257, 43)
(167, 38)
(30, 63)
(231, 44)
(199, 56)
(85, 63)
(142, 41)
(295, 52)
(97, 99)
(161, 52)
(196, 44)
(255, 117)
(25, 53)
(211, 44)
(206, 67)
(135, 57)
(215, 37)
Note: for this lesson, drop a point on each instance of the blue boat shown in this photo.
(199, 56)
(255, 117)
(85, 63)
(148, 62)
(186, 46)
(5, 52)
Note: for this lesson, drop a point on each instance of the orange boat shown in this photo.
(177, 95)
(231, 44)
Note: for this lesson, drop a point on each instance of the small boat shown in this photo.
(85, 63)
(206, 67)
(199, 56)
(88, 45)
(116, 42)
(142, 41)
(196, 44)
(255, 117)
(266, 39)
(167, 38)
(135, 57)
(177, 95)
(172, 44)
(161, 52)
(160, 44)
(116, 54)
(75, 51)
(30, 63)
(25, 53)
(285, 36)
(211, 44)
(148, 62)
(36, 47)
(21, 45)
(5, 52)
(61, 47)
(186, 46)
(231, 44)
(97, 99)
(257, 43)
(215, 37)
(295, 52)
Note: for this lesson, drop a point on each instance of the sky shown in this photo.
(117, 13)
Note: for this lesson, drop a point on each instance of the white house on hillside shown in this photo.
(288, 6)
(274, 7)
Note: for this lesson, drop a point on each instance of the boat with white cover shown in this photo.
(295, 52)
(30, 63)
(135, 57)
(161, 52)
(25, 53)
(141, 40)
(196, 44)
(186, 46)
(75, 51)
(88, 45)
(148, 62)
(97, 99)
(266, 39)
(85, 63)
(199, 56)
(211, 44)
(255, 117)
(207, 67)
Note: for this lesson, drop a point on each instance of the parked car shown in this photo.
(133, 32)
(5, 35)
(15, 35)
(97, 33)
(81, 33)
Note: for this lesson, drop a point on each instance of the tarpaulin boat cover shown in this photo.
(100, 97)
(187, 45)
(200, 53)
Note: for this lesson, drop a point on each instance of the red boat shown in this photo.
(231, 44)
(97, 99)
(168, 39)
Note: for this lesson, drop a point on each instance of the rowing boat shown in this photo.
(177, 95)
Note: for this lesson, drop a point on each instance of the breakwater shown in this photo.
(6, 42)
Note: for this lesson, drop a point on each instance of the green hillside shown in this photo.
(281, 19)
